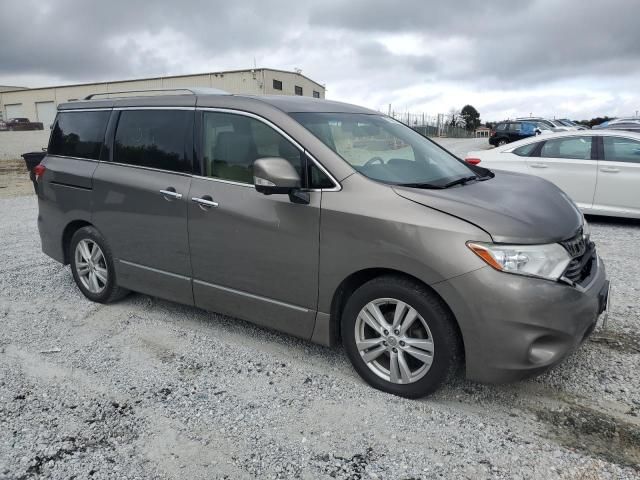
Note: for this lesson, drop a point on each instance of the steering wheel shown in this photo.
(373, 160)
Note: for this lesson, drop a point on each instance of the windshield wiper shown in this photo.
(420, 185)
(461, 181)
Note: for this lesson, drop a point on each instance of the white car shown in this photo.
(599, 170)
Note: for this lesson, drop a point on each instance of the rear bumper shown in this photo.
(515, 326)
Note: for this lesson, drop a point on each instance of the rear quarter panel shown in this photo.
(64, 196)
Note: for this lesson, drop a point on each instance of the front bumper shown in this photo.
(515, 326)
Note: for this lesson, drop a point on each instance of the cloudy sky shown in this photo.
(571, 58)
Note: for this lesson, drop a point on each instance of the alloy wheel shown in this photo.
(91, 266)
(394, 341)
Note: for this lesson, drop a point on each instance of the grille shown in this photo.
(583, 253)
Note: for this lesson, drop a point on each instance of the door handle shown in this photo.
(205, 202)
(171, 194)
(610, 169)
(538, 165)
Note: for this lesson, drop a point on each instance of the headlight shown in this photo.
(586, 229)
(545, 261)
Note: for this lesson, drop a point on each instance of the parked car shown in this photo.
(265, 209)
(20, 124)
(554, 125)
(549, 124)
(569, 123)
(598, 169)
(631, 124)
(512, 131)
(616, 121)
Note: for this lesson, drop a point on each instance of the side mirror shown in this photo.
(275, 175)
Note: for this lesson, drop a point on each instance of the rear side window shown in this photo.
(514, 127)
(620, 149)
(578, 148)
(154, 138)
(78, 134)
(526, 150)
(501, 127)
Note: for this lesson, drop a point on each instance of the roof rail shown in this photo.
(190, 91)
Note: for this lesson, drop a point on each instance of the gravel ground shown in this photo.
(146, 388)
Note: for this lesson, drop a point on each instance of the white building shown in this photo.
(40, 104)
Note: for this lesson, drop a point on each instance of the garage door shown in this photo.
(46, 112)
(13, 111)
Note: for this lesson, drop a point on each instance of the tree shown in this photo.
(471, 117)
(453, 117)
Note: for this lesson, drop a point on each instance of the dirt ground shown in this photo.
(14, 179)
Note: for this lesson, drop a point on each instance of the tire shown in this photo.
(100, 266)
(412, 381)
(502, 142)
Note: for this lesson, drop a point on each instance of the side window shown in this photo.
(620, 149)
(515, 127)
(578, 148)
(528, 128)
(231, 143)
(526, 150)
(154, 138)
(317, 178)
(501, 127)
(79, 134)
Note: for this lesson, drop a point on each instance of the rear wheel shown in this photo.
(502, 141)
(92, 266)
(400, 337)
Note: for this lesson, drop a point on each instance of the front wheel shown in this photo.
(400, 337)
(92, 266)
(502, 142)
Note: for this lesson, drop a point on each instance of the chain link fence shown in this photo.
(438, 125)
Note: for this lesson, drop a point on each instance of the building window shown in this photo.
(316, 94)
(277, 84)
(298, 90)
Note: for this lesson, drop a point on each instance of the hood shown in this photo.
(511, 207)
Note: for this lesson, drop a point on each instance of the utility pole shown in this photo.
(389, 113)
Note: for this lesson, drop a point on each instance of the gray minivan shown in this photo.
(326, 221)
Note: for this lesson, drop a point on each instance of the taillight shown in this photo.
(472, 160)
(39, 170)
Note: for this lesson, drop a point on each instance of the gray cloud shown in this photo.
(508, 41)
(366, 51)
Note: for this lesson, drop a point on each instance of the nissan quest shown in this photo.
(323, 220)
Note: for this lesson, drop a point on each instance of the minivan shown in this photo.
(324, 220)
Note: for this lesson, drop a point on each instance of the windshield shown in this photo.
(386, 150)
